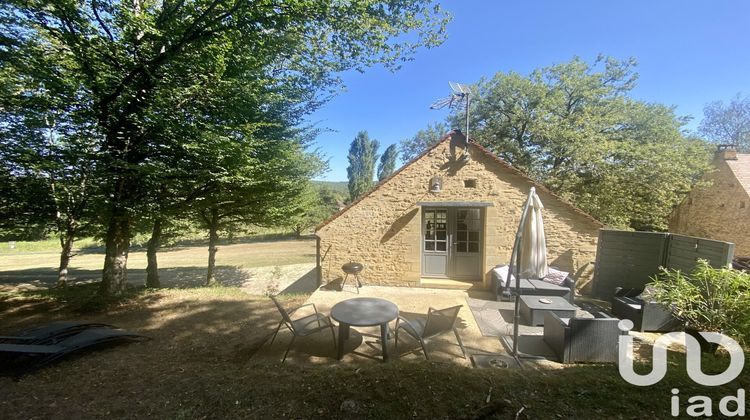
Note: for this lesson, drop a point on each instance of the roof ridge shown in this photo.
(384, 181)
(484, 151)
(740, 168)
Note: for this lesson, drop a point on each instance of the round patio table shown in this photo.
(364, 312)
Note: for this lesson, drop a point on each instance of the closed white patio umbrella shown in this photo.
(529, 256)
(533, 243)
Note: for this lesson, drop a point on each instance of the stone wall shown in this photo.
(383, 230)
(718, 211)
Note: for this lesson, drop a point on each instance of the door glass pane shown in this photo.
(435, 230)
(461, 246)
(474, 214)
(474, 236)
(461, 236)
(473, 246)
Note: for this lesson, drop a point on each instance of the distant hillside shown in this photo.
(340, 186)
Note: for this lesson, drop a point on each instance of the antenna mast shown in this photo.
(459, 98)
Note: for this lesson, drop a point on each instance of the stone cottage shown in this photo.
(445, 219)
(720, 210)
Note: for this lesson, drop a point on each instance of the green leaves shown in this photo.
(572, 127)
(423, 140)
(728, 123)
(183, 98)
(708, 299)
(363, 153)
(387, 162)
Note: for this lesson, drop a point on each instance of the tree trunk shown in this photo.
(66, 243)
(152, 268)
(213, 238)
(115, 275)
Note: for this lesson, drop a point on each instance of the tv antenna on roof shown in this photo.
(458, 99)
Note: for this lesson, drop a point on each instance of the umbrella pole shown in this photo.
(516, 254)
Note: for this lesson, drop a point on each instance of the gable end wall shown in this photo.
(383, 230)
(718, 211)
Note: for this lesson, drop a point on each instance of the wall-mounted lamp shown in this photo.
(436, 184)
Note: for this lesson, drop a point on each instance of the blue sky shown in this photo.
(689, 53)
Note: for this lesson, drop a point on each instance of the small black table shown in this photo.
(364, 312)
(532, 310)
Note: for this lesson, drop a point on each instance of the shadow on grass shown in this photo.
(212, 334)
(174, 277)
(98, 248)
(81, 294)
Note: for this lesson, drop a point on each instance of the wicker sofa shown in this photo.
(635, 305)
(582, 339)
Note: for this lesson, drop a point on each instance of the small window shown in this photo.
(470, 183)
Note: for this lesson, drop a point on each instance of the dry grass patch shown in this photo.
(177, 266)
(199, 364)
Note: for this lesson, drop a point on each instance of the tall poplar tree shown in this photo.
(363, 154)
(387, 162)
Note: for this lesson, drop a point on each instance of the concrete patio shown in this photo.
(478, 335)
(363, 345)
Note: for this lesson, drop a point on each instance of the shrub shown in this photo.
(708, 299)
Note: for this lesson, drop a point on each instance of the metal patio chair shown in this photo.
(302, 327)
(436, 322)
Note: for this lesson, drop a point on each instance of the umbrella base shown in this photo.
(508, 344)
(494, 361)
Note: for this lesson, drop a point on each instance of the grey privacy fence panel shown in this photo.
(684, 251)
(630, 259)
(624, 259)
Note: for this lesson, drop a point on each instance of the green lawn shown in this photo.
(51, 245)
(181, 264)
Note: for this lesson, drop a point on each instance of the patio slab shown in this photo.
(364, 345)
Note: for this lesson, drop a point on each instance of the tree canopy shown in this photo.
(573, 127)
(151, 75)
(728, 123)
(423, 140)
(387, 162)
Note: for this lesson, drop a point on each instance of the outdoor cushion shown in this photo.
(555, 276)
(501, 273)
